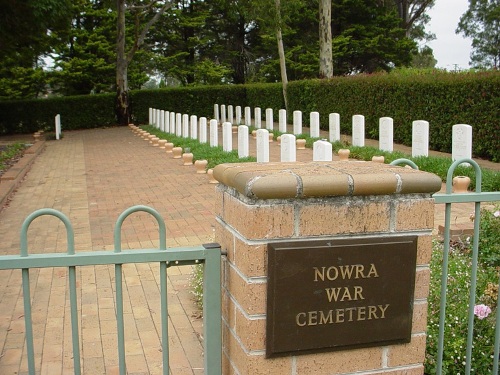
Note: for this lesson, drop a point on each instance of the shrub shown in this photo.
(196, 283)
(455, 333)
(489, 237)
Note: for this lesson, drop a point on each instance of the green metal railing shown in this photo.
(208, 254)
(448, 198)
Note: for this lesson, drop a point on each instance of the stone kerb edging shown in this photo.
(10, 180)
(320, 179)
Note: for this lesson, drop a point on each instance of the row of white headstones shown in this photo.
(187, 126)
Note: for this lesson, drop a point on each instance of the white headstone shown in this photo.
(178, 124)
(288, 148)
(214, 133)
(282, 120)
(314, 124)
(322, 151)
(358, 130)
(223, 113)
(238, 115)
(227, 136)
(420, 138)
(248, 116)
(166, 125)
(185, 126)
(258, 117)
(172, 122)
(157, 121)
(230, 114)
(297, 122)
(150, 118)
(269, 119)
(262, 146)
(153, 119)
(194, 127)
(386, 134)
(334, 127)
(203, 130)
(216, 112)
(461, 144)
(243, 148)
(162, 121)
(58, 126)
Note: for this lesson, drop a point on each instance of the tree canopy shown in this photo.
(481, 22)
(196, 41)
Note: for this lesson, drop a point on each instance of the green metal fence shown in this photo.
(448, 198)
(208, 254)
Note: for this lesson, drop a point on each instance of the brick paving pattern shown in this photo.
(92, 176)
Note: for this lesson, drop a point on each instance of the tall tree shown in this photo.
(325, 39)
(413, 17)
(145, 15)
(281, 51)
(25, 35)
(481, 22)
(368, 37)
(84, 56)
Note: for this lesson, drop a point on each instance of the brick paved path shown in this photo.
(92, 176)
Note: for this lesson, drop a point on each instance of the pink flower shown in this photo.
(496, 213)
(481, 311)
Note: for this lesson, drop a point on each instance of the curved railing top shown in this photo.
(456, 163)
(51, 212)
(404, 162)
(139, 208)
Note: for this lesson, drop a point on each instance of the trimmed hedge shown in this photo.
(443, 99)
(77, 112)
(196, 100)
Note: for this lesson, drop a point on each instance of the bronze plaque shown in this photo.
(339, 294)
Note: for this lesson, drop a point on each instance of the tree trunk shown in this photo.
(325, 39)
(122, 100)
(281, 53)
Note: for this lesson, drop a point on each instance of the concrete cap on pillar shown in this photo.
(323, 179)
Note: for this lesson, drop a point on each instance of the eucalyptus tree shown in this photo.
(144, 14)
(414, 17)
(325, 39)
(481, 22)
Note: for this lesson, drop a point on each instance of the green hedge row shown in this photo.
(77, 112)
(443, 99)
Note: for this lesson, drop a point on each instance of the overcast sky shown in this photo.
(449, 48)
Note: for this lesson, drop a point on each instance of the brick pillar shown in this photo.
(259, 204)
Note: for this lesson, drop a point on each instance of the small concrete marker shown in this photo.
(288, 148)
(269, 119)
(258, 117)
(262, 146)
(358, 130)
(314, 124)
(297, 122)
(214, 133)
(322, 151)
(243, 142)
(282, 120)
(386, 134)
(334, 127)
(227, 136)
(420, 138)
(203, 130)
(461, 145)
